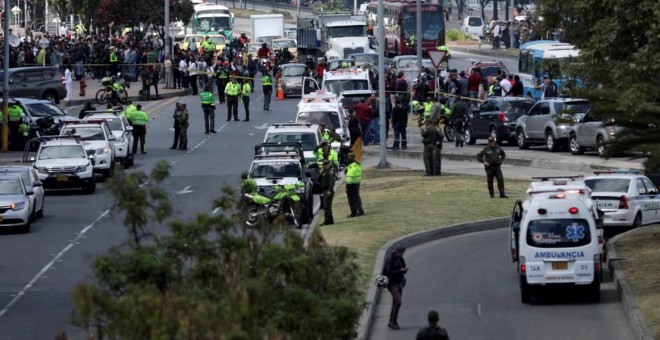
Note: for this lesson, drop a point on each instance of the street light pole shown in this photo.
(5, 83)
(381, 85)
(167, 27)
(419, 38)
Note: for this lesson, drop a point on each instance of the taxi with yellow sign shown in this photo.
(194, 41)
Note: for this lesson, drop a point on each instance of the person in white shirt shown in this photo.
(203, 77)
(64, 30)
(169, 79)
(505, 84)
(67, 83)
(496, 36)
(183, 72)
(193, 68)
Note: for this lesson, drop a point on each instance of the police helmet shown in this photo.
(264, 45)
(382, 281)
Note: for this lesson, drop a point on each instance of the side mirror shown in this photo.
(129, 128)
(32, 159)
(38, 184)
(112, 138)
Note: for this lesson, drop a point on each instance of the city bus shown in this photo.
(541, 57)
(213, 19)
(401, 19)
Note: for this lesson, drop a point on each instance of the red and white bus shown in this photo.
(401, 20)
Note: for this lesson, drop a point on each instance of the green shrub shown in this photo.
(454, 35)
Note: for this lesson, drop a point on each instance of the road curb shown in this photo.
(373, 296)
(531, 163)
(131, 98)
(630, 307)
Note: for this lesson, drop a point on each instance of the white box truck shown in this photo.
(266, 27)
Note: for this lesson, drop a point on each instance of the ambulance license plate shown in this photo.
(563, 265)
(62, 178)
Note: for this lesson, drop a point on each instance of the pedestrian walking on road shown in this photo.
(67, 83)
(139, 121)
(353, 174)
(267, 84)
(395, 270)
(177, 126)
(492, 157)
(208, 106)
(245, 95)
(231, 93)
(183, 124)
(433, 331)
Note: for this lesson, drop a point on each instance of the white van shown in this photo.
(473, 26)
(555, 239)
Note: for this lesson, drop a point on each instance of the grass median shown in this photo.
(401, 202)
(640, 250)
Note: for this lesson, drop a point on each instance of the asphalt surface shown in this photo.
(472, 283)
(40, 269)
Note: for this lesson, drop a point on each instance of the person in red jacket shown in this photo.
(320, 68)
(364, 115)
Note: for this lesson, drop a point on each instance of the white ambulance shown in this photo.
(324, 108)
(556, 238)
(339, 80)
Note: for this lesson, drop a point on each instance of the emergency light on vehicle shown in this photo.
(573, 210)
(622, 172)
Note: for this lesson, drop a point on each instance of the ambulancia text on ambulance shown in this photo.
(555, 238)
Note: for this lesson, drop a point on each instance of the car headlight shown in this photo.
(82, 168)
(102, 151)
(42, 169)
(18, 206)
(300, 190)
(288, 83)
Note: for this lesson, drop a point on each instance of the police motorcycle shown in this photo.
(269, 208)
(114, 89)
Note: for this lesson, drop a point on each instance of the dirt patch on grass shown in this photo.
(398, 203)
(641, 251)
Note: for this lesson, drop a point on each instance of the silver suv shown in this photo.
(549, 122)
(40, 82)
(592, 132)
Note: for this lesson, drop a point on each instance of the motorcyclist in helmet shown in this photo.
(244, 39)
(264, 51)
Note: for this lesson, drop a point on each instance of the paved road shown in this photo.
(471, 282)
(40, 269)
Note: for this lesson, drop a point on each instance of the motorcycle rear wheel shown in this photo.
(292, 217)
(449, 133)
(101, 97)
(252, 218)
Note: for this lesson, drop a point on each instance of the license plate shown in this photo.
(563, 265)
(62, 178)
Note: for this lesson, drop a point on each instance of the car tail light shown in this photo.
(596, 263)
(523, 265)
(542, 211)
(502, 116)
(573, 210)
(623, 202)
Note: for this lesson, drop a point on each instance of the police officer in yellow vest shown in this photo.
(208, 106)
(231, 93)
(245, 94)
(208, 46)
(221, 79)
(15, 117)
(114, 61)
(411, 38)
(267, 84)
(353, 178)
(324, 151)
(139, 119)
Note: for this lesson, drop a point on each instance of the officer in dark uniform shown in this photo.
(395, 270)
(433, 331)
(431, 138)
(327, 190)
(492, 157)
(221, 79)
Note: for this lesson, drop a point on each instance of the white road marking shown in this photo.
(215, 211)
(51, 263)
(262, 126)
(185, 190)
(479, 309)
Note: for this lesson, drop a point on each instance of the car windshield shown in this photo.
(218, 40)
(284, 44)
(608, 184)
(328, 118)
(490, 71)
(307, 140)
(62, 151)
(276, 169)
(519, 105)
(85, 133)
(45, 109)
(10, 187)
(474, 21)
(25, 175)
(293, 71)
(572, 108)
(366, 58)
(558, 233)
(350, 101)
(337, 86)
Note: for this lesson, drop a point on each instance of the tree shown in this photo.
(213, 278)
(618, 62)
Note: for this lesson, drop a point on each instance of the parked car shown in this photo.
(549, 122)
(496, 117)
(473, 25)
(488, 68)
(39, 82)
(292, 78)
(592, 132)
(15, 208)
(39, 108)
(32, 183)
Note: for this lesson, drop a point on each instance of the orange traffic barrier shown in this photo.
(280, 92)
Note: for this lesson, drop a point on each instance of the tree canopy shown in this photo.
(619, 43)
(213, 278)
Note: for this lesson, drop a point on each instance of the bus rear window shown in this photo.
(558, 233)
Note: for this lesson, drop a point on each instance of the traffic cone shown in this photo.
(280, 92)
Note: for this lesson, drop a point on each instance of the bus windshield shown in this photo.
(208, 23)
(347, 31)
(432, 24)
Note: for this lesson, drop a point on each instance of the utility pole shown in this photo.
(5, 83)
(381, 85)
(419, 38)
(167, 28)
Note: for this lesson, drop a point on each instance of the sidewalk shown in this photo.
(94, 85)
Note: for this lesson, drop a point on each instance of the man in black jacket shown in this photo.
(492, 157)
(395, 270)
(327, 180)
(433, 331)
(399, 124)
